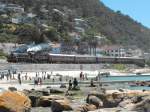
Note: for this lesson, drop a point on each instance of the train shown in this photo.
(76, 59)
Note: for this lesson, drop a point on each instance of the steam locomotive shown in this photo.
(64, 58)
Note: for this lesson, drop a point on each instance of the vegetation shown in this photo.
(7, 38)
(119, 67)
(2, 55)
(118, 28)
(148, 62)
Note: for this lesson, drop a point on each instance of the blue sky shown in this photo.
(137, 9)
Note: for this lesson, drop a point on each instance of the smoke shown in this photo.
(39, 47)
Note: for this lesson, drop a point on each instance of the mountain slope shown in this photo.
(118, 28)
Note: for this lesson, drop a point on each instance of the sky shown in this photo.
(139, 10)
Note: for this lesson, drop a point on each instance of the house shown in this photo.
(134, 52)
(31, 15)
(79, 22)
(14, 8)
(114, 51)
(22, 19)
(17, 20)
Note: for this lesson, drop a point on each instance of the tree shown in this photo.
(52, 34)
(29, 33)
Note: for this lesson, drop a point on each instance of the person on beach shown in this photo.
(40, 81)
(36, 80)
(53, 80)
(19, 78)
(60, 78)
(48, 76)
(75, 83)
(26, 77)
(81, 75)
(70, 85)
(7, 76)
(92, 83)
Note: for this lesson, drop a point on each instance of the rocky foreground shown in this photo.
(77, 100)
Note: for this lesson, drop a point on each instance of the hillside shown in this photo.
(118, 28)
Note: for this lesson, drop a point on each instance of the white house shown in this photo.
(114, 51)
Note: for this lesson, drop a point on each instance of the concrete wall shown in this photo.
(50, 67)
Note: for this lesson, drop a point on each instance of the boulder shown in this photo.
(12, 89)
(137, 103)
(143, 106)
(41, 109)
(112, 110)
(45, 92)
(137, 99)
(48, 87)
(86, 108)
(70, 93)
(56, 91)
(97, 94)
(127, 104)
(60, 106)
(45, 101)
(95, 101)
(109, 100)
(121, 90)
(34, 96)
(14, 102)
(63, 86)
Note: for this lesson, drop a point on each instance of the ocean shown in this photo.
(127, 78)
(122, 81)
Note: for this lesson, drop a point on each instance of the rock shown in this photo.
(45, 92)
(45, 101)
(112, 110)
(86, 108)
(60, 105)
(34, 96)
(95, 101)
(97, 94)
(128, 104)
(137, 103)
(70, 93)
(41, 109)
(48, 87)
(136, 99)
(121, 90)
(143, 106)
(63, 86)
(109, 100)
(12, 89)
(14, 102)
(56, 91)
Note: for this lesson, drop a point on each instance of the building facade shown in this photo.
(114, 51)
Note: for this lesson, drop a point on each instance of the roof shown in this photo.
(112, 47)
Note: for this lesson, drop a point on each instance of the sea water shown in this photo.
(127, 79)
